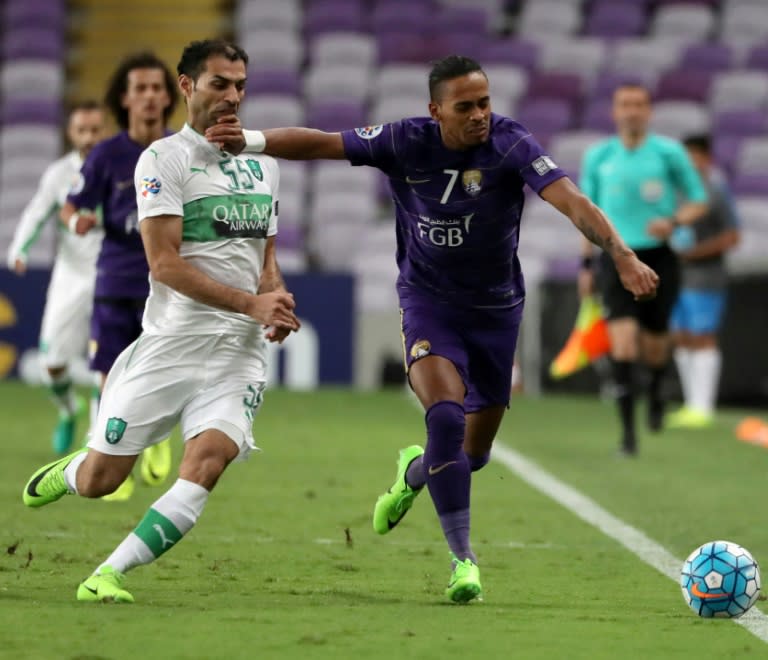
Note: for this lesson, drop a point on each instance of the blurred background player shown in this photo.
(457, 181)
(141, 96)
(69, 299)
(699, 310)
(638, 179)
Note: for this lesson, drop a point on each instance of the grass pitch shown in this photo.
(284, 563)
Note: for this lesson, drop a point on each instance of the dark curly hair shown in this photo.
(192, 62)
(118, 85)
(449, 68)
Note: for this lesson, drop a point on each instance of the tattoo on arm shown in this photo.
(607, 239)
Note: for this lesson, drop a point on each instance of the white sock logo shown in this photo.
(163, 537)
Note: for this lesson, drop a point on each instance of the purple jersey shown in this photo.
(107, 183)
(458, 212)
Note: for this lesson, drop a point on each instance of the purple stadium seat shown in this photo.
(334, 116)
(334, 16)
(402, 47)
(740, 122)
(710, 57)
(516, 52)
(470, 20)
(683, 84)
(18, 14)
(745, 183)
(545, 116)
(612, 19)
(567, 86)
(707, 3)
(597, 115)
(18, 111)
(388, 16)
(265, 81)
(33, 43)
(757, 58)
(726, 149)
(290, 235)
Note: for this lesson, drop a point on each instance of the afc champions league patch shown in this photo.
(150, 186)
(472, 180)
(420, 349)
(369, 132)
(543, 164)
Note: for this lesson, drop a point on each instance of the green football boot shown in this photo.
(47, 484)
(394, 504)
(156, 463)
(464, 584)
(64, 433)
(106, 586)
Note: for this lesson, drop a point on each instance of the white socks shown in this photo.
(683, 362)
(162, 527)
(705, 378)
(70, 472)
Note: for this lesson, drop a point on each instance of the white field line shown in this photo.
(632, 539)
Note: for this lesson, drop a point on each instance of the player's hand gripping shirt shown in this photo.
(229, 208)
(458, 212)
(76, 253)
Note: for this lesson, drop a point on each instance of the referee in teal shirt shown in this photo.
(647, 185)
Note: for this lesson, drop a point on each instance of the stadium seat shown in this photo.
(567, 148)
(343, 48)
(645, 58)
(615, 19)
(341, 176)
(42, 140)
(21, 111)
(679, 118)
(31, 79)
(684, 85)
(21, 14)
(514, 52)
(597, 116)
(34, 43)
(739, 89)
(545, 116)
(688, 22)
(709, 57)
(335, 115)
(744, 22)
(544, 19)
(757, 58)
(740, 122)
(334, 16)
(554, 85)
(606, 83)
(745, 183)
(283, 16)
(274, 81)
(583, 57)
(271, 49)
(390, 109)
(507, 85)
(726, 150)
(466, 19)
(271, 110)
(402, 79)
(337, 81)
(753, 157)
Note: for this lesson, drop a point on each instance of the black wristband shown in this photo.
(587, 262)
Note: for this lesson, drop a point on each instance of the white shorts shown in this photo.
(67, 316)
(201, 382)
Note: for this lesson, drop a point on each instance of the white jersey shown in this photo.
(229, 208)
(77, 254)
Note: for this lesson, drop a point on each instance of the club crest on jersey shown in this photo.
(420, 349)
(543, 164)
(115, 430)
(369, 132)
(150, 186)
(472, 180)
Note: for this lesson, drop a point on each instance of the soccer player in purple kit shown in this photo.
(457, 182)
(141, 95)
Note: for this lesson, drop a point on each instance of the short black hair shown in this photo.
(700, 142)
(192, 62)
(449, 68)
(118, 85)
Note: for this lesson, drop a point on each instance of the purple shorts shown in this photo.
(115, 325)
(479, 342)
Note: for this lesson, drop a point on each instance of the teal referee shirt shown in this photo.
(635, 186)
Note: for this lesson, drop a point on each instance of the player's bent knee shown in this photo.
(101, 474)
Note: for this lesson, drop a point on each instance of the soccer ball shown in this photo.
(720, 579)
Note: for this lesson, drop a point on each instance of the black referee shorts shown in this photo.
(652, 315)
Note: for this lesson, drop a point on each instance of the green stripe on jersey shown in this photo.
(222, 217)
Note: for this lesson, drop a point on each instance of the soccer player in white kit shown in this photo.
(208, 220)
(64, 333)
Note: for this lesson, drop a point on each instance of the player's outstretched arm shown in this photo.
(289, 143)
(162, 241)
(636, 277)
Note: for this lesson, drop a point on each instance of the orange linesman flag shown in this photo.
(588, 341)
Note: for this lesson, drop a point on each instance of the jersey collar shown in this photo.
(193, 136)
